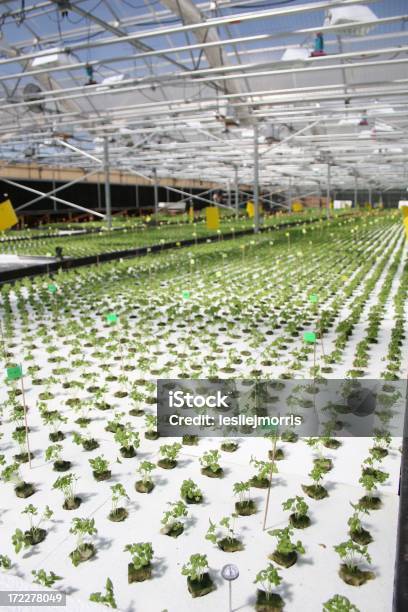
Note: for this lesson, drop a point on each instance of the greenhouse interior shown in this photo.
(203, 305)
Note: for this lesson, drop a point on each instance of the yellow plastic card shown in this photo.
(406, 227)
(212, 215)
(403, 206)
(297, 206)
(250, 209)
(8, 217)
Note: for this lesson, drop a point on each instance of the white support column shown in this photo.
(108, 206)
(236, 192)
(355, 191)
(328, 190)
(256, 177)
(156, 194)
(99, 195)
(289, 196)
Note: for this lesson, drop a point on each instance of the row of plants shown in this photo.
(142, 234)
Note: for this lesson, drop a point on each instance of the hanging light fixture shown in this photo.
(54, 58)
(351, 17)
(295, 54)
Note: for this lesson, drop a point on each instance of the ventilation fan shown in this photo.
(32, 93)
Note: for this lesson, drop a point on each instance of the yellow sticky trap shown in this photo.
(8, 217)
(297, 207)
(406, 227)
(403, 206)
(250, 209)
(212, 215)
(191, 213)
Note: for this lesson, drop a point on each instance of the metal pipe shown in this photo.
(53, 191)
(98, 185)
(277, 97)
(220, 43)
(289, 196)
(195, 197)
(156, 194)
(219, 21)
(256, 177)
(355, 190)
(140, 20)
(328, 191)
(264, 199)
(77, 150)
(88, 210)
(108, 206)
(131, 85)
(236, 192)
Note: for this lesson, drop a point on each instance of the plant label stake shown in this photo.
(321, 336)
(16, 373)
(185, 294)
(310, 337)
(230, 573)
(274, 430)
(52, 288)
(314, 299)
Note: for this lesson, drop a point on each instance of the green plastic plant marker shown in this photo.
(313, 298)
(52, 288)
(185, 294)
(112, 318)
(309, 337)
(14, 373)
(272, 429)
